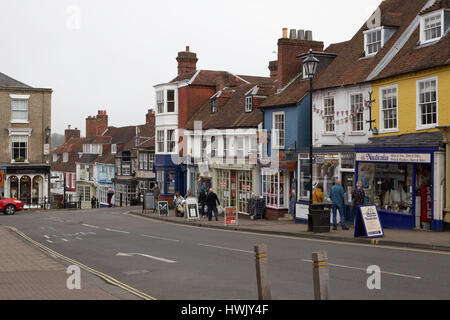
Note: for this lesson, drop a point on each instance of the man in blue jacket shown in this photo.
(337, 196)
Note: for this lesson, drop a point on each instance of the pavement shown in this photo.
(29, 273)
(417, 239)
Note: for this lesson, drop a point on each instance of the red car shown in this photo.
(10, 206)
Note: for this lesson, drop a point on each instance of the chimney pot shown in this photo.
(293, 34)
(301, 34)
(68, 127)
(187, 48)
(285, 33)
(308, 35)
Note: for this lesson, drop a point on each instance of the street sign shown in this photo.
(163, 208)
(231, 216)
(367, 222)
(192, 208)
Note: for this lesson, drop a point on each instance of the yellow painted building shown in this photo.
(405, 91)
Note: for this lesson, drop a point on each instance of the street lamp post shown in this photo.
(310, 67)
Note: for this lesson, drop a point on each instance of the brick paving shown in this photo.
(27, 273)
(419, 239)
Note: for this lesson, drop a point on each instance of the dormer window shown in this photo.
(373, 42)
(375, 39)
(248, 104)
(431, 26)
(214, 105)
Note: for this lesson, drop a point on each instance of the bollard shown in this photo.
(321, 277)
(262, 272)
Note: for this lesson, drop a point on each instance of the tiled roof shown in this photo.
(69, 166)
(350, 66)
(232, 113)
(211, 78)
(439, 4)
(8, 82)
(424, 139)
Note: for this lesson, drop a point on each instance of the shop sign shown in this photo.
(192, 208)
(223, 184)
(231, 216)
(163, 208)
(394, 157)
(426, 203)
(367, 222)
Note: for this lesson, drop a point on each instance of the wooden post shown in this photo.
(262, 272)
(321, 276)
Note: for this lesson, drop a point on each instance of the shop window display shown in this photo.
(324, 172)
(274, 189)
(388, 185)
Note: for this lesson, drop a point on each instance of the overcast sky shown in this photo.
(108, 54)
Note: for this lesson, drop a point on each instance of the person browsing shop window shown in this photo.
(337, 196)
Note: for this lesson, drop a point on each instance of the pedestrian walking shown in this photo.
(358, 197)
(211, 202)
(93, 202)
(156, 194)
(317, 194)
(337, 196)
(202, 201)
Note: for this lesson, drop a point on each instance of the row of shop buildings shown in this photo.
(112, 165)
(379, 109)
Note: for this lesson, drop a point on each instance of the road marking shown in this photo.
(113, 230)
(65, 240)
(49, 241)
(106, 277)
(78, 238)
(90, 226)
(46, 236)
(348, 267)
(120, 254)
(256, 233)
(166, 239)
(224, 248)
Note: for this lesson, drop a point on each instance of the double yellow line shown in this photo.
(105, 277)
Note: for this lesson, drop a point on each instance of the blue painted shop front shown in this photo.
(171, 177)
(401, 182)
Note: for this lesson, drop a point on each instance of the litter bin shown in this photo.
(319, 218)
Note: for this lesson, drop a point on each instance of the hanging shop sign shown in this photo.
(231, 216)
(367, 222)
(394, 157)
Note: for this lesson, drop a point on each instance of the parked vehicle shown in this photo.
(10, 206)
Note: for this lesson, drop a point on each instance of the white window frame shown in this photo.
(382, 128)
(169, 142)
(439, 13)
(27, 151)
(419, 125)
(366, 44)
(160, 97)
(249, 104)
(21, 98)
(160, 142)
(276, 132)
(361, 113)
(331, 115)
(171, 101)
(113, 148)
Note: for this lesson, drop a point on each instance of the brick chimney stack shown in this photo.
(273, 67)
(288, 50)
(150, 116)
(96, 125)
(187, 61)
(71, 133)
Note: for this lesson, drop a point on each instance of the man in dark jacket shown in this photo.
(211, 200)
